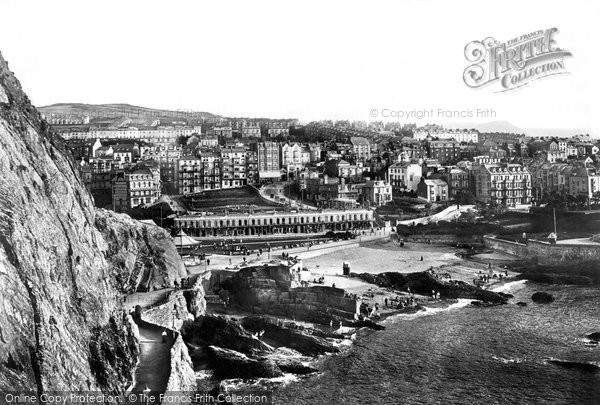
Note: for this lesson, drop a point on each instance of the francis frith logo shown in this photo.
(514, 63)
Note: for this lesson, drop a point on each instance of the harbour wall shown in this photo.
(544, 252)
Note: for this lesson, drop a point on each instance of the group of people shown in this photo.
(320, 280)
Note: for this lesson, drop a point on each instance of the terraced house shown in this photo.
(135, 187)
(197, 173)
(233, 167)
(502, 183)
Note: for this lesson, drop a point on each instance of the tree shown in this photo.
(465, 197)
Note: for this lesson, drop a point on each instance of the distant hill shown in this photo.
(509, 128)
(114, 111)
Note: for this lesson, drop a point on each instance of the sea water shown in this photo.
(469, 355)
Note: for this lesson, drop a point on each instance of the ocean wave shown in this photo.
(204, 374)
(516, 360)
(461, 303)
(509, 286)
(239, 384)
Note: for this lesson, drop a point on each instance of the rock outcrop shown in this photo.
(297, 339)
(594, 336)
(143, 256)
(218, 331)
(542, 297)
(424, 283)
(275, 290)
(182, 376)
(62, 264)
(231, 364)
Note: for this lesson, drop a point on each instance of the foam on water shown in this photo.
(509, 286)
(204, 374)
(509, 360)
(238, 384)
(462, 302)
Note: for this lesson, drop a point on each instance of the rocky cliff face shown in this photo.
(143, 256)
(62, 264)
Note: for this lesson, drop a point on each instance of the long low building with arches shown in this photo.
(274, 222)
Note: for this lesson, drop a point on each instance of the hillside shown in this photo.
(121, 110)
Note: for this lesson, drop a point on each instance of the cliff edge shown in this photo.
(62, 264)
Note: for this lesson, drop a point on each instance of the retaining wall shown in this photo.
(544, 252)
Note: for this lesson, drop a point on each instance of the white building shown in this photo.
(405, 176)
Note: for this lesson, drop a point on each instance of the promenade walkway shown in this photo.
(154, 367)
(279, 197)
(447, 214)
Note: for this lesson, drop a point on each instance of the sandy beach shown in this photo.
(380, 256)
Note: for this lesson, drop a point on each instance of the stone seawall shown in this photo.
(162, 315)
(443, 239)
(513, 248)
(546, 253)
(275, 290)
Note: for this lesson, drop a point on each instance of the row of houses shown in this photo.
(501, 183)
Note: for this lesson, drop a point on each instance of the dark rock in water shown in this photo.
(584, 273)
(218, 331)
(484, 304)
(296, 339)
(367, 323)
(591, 367)
(505, 295)
(541, 297)
(559, 278)
(522, 304)
(231, 364)
(424, 283)
(294, 366)
(594, 336)
(290, 361)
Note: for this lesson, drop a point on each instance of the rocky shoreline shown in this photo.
(247, 346)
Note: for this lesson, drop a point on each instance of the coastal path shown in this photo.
(154, 366)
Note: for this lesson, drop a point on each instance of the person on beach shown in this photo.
(437, 295)
(331, 323)
(164, 336)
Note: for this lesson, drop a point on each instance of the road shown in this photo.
(447, 214)
(275, 193)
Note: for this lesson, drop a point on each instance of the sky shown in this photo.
(311, 60)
